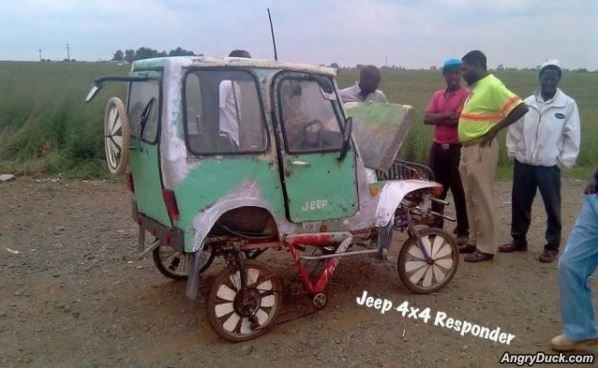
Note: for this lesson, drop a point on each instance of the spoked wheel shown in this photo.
(175, 265)
(239, 316)
(116, 136)
(421, 276)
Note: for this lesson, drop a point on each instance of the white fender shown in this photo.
(246, 195)
(392, 194)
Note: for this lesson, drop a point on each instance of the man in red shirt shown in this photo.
(443, 112)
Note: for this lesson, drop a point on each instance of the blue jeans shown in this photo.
(576, 266)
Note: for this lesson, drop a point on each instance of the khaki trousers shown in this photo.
(478, 171)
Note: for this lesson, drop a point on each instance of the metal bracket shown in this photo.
(448, 218)
(141, 239)
(150, 249)
(441, 201)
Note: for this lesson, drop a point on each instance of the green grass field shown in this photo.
(43, 102)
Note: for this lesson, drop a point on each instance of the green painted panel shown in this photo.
(146, 177)
(144, 163)
(215, 178)
(320, 187)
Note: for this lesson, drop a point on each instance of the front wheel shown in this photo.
(422, 276)
(239, 315)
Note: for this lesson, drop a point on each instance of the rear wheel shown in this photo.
(421, 276)
(239, 315)
(175, 265)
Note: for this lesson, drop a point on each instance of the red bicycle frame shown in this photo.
(320, 240)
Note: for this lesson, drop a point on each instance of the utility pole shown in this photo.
(68, 52)
(386, 61)
(40, 54)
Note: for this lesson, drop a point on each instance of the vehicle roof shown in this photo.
(208, 61)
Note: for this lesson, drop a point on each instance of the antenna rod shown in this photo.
(273, 38)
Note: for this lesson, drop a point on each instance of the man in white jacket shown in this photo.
(545, 138)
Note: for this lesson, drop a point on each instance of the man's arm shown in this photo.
(571, 139)
(434, 117)
(515, 114)
(442, 118)
(346, 95)
(514, 136)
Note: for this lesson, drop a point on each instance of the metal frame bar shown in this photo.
(344, 254)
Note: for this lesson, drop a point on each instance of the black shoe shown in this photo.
(512, 247)
(478, 256)
(467, 248)
(548, 255)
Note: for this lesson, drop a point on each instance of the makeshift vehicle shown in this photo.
(232, 157)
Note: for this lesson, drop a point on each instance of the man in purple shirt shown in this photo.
(443, 112)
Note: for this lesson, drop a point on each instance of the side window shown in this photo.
(193, 91)
(308, 115)
(144, 109)
(223, 113)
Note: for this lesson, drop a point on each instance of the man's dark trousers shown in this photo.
(444, 162)
(527, 179)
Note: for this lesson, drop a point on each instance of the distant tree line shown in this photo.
(131, 55)
(500, 67)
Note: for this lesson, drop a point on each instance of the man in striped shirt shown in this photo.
(490, 108)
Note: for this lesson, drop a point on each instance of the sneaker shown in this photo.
(561, 343)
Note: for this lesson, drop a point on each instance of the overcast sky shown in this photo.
(412, 34)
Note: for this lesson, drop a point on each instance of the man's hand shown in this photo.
(451, 119)
(488, 138)
(592, 187)
(513, 116)
(454, 115)
(440, 118)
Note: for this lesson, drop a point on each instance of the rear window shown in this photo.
(223, 113)
(144, 109)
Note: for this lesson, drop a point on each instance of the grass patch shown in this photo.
(45, 126)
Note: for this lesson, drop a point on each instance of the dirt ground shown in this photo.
(75, 295)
